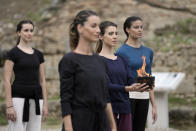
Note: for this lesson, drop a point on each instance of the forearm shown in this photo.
(7, 75)
(8, 94)
(116, 87)
(110, 116)
(67, 123)
(43, 83)
(152, 99)
(44, 92)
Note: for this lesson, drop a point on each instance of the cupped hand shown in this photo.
(11, 114)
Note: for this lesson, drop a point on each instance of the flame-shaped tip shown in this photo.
(142, 72)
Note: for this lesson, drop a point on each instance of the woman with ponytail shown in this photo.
(85, 101)
(133, 51)
(26, 98)
(120, 81)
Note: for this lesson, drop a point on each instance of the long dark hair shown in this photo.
(19, 27)
(80, 18)
(128, 23)
(103, 26)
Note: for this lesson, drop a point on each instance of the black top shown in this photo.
(82, 82)
(26, 83)
(26, 71)
(119, 76)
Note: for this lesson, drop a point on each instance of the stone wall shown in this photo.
(182, 60)
(1, 83)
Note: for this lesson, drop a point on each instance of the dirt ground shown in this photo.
(4, 128)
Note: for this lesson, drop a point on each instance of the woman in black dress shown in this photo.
(26, 96)
(83, 87)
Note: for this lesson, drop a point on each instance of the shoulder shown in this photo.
(101, 58)
(123, 50)
(38, 51)
(66, 63)
(13, 50)
(67, 58)
(40, 55)
(123, 58)
(122, 47)
(147, 48)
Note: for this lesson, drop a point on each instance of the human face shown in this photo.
(26, 33)
(90, 30)
(136, 29)
(110, 36)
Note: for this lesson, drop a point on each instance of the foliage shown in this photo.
(3, 120)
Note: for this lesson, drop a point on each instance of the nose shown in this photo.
(115, 36)
(140, 29)
(30, 33)
(98, 30)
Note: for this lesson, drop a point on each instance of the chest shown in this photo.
(26, 61)
(92, 70)
(116, 68)
(135, 60)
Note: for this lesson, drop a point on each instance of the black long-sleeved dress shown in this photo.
(83, 91)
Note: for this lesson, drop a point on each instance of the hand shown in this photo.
(11, 114)
(70, 129)
(44, 111)
(154, 115)
(137, 87)
(153, 86)
(143, 87)
(113, 128)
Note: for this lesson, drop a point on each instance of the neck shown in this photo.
(24, 44)
(133, 42)
(84, 47)
(106, 51)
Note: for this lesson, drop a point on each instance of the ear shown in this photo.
(127, 30)
(18, 33)
(80, 28)
(100, 37)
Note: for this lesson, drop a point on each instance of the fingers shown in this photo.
(154, 117)
(148, 90)
(11, 114)
(44, 116)
(153, 87)
(45, 113)
(11, 117)
(144, 88)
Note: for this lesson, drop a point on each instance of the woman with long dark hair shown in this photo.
(120, 81)
(26, 98)
(133, 51)
(84, 94)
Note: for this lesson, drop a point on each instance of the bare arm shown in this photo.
(44, 93)
(68, 123)
(154, 110)
(8, 70)
(110, 117)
